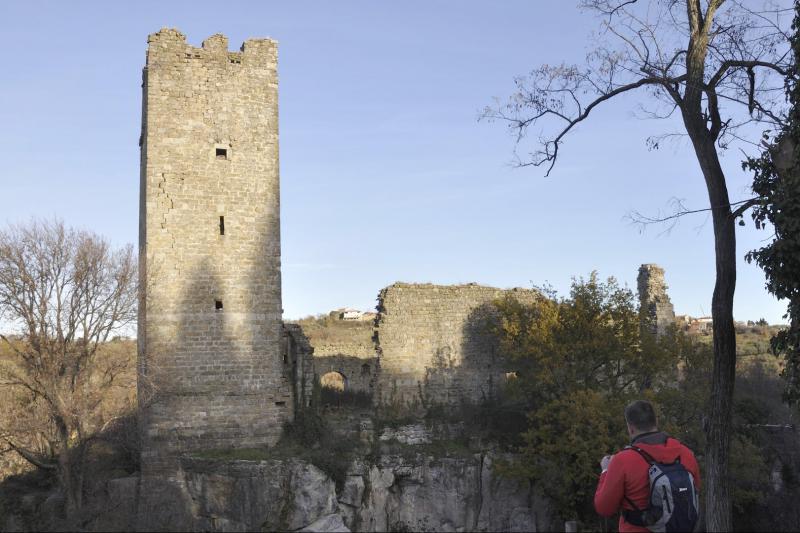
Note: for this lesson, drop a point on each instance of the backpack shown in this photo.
(674, 504)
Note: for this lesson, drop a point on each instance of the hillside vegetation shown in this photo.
(331, 336)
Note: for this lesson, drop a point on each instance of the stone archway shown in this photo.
(334, 381)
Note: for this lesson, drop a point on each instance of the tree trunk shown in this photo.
(67, 477)
(70, 473)
(718, 431)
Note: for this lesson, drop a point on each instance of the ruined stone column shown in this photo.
(656, 311)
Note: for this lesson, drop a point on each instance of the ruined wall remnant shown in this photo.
(345, 347)
(433, 344)
(360, 374)
(298, 354)
(210, 365)
(657, 313)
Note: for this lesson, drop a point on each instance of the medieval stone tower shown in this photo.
(657, 313)
(211, 373)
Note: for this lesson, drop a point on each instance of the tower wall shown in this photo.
(211, 373)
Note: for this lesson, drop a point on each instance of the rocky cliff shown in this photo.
(406, 483)
(396, 492)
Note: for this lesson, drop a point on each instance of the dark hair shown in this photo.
(641, 415)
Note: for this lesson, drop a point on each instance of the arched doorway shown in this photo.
(334, 381)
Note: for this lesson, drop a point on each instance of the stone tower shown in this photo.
(211, 374)
(656, 310)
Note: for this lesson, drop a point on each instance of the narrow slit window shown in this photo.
(222, 225)
(280, 404)
(218, 305)
(222, 153)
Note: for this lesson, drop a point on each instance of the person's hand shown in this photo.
(605, 461)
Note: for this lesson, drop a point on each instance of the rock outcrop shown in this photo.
(414, 492)
(412, 480)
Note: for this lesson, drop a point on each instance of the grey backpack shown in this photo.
(674, 504)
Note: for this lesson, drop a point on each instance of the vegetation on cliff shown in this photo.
(716, 64)
(777, 188)
(578, 360)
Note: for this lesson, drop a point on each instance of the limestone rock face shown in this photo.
(409, 491)
(509, 505)
(248, 495)
(447, 494)
(331, 523)
(413, 491)
(353, 491)
(411, 434)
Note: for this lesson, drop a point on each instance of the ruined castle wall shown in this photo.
(360, 373)
(656, 311)
(345, 347)
(433, 344)
(299, 355)
(211, 370)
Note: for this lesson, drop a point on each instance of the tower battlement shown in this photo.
(170, 45)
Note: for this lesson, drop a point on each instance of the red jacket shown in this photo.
(627, 476)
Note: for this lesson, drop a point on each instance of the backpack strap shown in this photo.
(637, 517)
(646, 456)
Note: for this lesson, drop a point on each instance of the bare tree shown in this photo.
(64, 293)
(720, 65)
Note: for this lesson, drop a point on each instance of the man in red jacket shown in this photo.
(624, 478)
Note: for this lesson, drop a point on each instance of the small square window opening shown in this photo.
(218, 305)
(222, 153)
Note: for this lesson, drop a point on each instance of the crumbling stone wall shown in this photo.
(360, 373)
(433, 345)
(299, 355)
(211, 372)
(345, 347)
(656, 310)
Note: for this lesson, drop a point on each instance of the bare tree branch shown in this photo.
(64, 292)
(700, 57)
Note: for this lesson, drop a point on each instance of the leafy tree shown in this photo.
(712, 61)
(777, 186)
(578, 361)
(567, 436)
(64, 294)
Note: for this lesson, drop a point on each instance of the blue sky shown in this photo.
(386, 173)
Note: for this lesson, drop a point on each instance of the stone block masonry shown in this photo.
(433, 344)
(211, 369)
(346, 348)
(655, 308)
(299, 354)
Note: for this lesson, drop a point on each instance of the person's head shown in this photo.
(641, 417)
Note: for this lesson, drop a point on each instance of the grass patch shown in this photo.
(325, 329)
